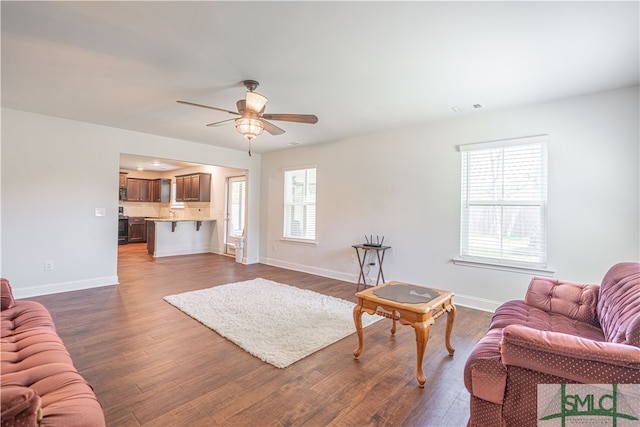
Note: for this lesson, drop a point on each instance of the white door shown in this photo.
(236, 209)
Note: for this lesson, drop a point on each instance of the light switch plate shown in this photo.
(100, 212)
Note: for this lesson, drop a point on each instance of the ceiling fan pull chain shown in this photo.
(249, 148)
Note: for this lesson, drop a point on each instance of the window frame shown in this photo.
(174, 204)
(504, 262)
(241, 206)
(288, 205)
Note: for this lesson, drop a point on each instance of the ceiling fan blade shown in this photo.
(298, 118)
(271, 128)
(220, 123)
(206, 106)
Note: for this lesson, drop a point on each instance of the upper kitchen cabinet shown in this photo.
(161, 190)
(123, 179)
(138, 190)
(193, 187)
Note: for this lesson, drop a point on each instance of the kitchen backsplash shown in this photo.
(162, 210)
(137, 209)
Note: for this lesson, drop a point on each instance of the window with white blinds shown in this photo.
(504, 202)
(300, 204)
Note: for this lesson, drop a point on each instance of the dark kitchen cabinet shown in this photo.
(193, 188)
(179, 188)
(161, 190)
(133, 193)
(137, 230)
(138, 190)
(151, 237)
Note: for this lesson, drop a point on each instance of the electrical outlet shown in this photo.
(48, 266)
(353, 259)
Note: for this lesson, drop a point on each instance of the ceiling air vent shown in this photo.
(462, 108)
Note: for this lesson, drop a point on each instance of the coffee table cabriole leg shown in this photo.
(451, 317)
(422, 337)
(393, 324)
(357, 319)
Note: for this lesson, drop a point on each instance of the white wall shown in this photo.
(405, 185)
(55, 172)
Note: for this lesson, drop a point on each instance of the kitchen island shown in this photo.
(179, 236)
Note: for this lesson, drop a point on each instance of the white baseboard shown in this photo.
(56, 288)
(477, 303)
(331, 274)
(462, 300)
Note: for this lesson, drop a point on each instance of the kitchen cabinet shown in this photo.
(179, 188)
(161, 190)
(137, 230)
(193, 187)
(123, 180)
(151, 237)
(146, 190)
(138, 190)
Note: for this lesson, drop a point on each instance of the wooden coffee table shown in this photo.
(417, 306)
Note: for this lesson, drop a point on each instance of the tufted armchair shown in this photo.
(560, 333)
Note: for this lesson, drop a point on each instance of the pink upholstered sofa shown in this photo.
(560, 333)
(38, 382)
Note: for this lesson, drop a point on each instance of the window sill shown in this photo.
(299, 241)
(495, 266)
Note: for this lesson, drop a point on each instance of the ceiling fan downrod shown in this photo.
(251, 85)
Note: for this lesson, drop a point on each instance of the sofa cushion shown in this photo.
(6, 295)
(518, 312)
(619, 304)
(573, 300)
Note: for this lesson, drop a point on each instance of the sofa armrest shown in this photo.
(21, 406)
(572, 300)
(566, 356)
(485, 376)
(6, 295)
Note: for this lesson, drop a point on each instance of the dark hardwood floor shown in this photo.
(152, 365)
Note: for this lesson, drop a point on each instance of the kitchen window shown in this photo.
(300, 204)
(503, 217)
(175, 204)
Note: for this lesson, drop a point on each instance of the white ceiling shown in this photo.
(144, 163)
(361, 67)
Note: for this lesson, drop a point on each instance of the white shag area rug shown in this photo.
(277, 323)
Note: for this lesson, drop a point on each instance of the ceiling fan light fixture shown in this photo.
(248, 127)
(255, 102)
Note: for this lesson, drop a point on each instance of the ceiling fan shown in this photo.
(253, 120)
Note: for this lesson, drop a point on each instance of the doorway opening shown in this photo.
(236, 202)
(211, 204)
